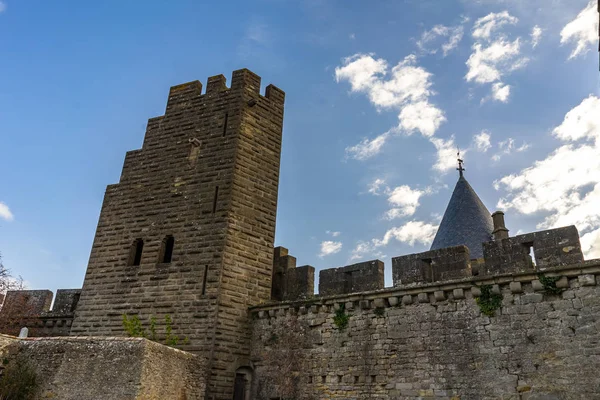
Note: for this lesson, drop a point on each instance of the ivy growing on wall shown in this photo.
(488, 301)
(549, 284)
(379, 312)
(340, 319)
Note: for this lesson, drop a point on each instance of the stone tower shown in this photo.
(188, 231)
(466, 221)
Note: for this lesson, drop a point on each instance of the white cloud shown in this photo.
(500, 92)
(421, 116)
(494, 55)
(536, 35)
(508, 146)
(329, 247)
(367, 148)
(2, 6)
(581, 122)
(333, 233)
(565, 186)
(452, 34)
(484, 26)
(488, 64)
(446, 154)
(409, 233)
(404, 201)
(5, 212)
(582, 31)
(352, 36)
(590, 244)
(406, 87)
(361, 70)
(375, 186)
(482, 141)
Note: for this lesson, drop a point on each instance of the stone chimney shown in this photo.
(500, 231)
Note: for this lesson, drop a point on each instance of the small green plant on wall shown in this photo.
(488, 301)
(134, 328)
(18, 381)
(549, 284)
(340, 319)
(379, 312)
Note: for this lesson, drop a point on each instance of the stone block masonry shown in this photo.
(290, 282)
(368, 275)
(550, 248)
(188, 231)
(432, 266)
(431, 341)
(31, 309)
(75, 368)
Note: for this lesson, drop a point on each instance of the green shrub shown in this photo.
(549, 284)
(19, 381)
(379, 312)
(134, 328)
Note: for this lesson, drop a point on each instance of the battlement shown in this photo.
(550, 249)
(359, 277)
(31, 309)
(243, 81)
(290, 282)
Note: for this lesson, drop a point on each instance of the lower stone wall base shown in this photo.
(74, 368)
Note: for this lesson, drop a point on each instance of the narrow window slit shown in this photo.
(166, 249)
(215, 199)
(204, 280)
(135, 253)
(225, 124)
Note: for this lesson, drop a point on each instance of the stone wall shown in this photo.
(432, 266)
(290, 282)
(367, 275)
(432, 341)
(91, 368)
(31, 309)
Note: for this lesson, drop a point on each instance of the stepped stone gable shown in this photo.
(466, 221)
(188, 231)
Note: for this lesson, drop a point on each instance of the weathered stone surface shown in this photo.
(587, 280)
(74, 368)
(551, 248)
(537, 346)
(432, 266)
(359, 277)
(515, 287)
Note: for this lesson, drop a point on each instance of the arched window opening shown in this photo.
(135, 253)
(166, 249)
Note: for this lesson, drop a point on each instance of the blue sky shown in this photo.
(379, 95)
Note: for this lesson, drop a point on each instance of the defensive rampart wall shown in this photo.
(31, 309)
(433, 341)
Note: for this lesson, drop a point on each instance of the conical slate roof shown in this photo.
(466, 221)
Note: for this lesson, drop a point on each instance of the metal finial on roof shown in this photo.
(460, 168)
